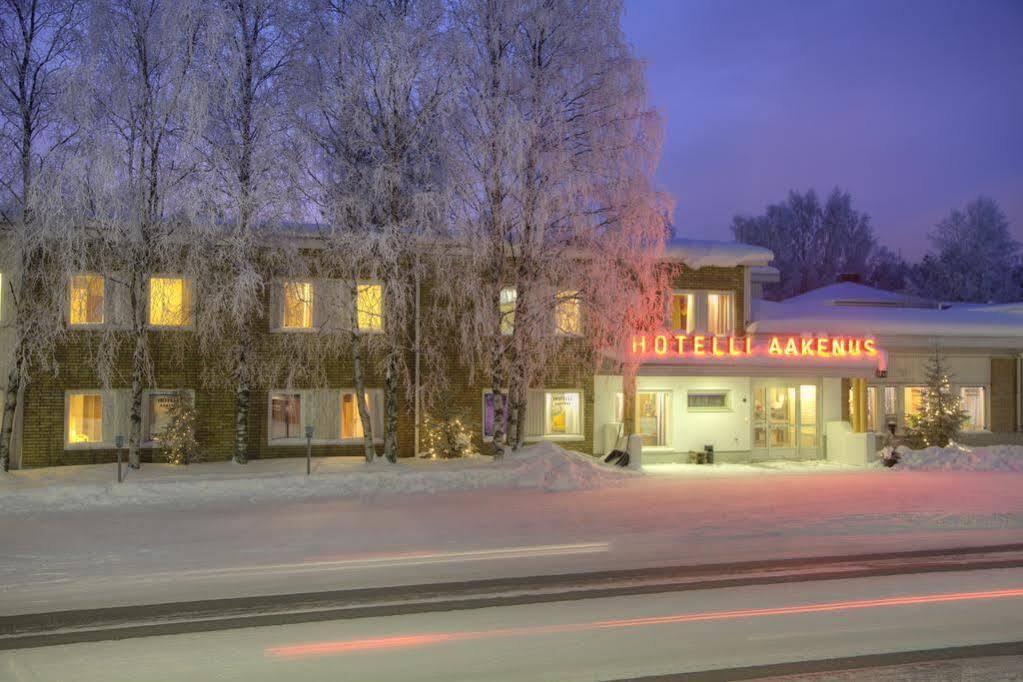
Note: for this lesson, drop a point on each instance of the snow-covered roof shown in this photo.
(702, 253)
(850, 308)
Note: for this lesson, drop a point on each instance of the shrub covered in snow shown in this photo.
(957, 457)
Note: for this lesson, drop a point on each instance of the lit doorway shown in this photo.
(785, 420)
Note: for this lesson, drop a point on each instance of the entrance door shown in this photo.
(785, 420)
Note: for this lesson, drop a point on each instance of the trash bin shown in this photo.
(709, 449)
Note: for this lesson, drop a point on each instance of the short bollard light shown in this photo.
(308, 449)
(119, 444)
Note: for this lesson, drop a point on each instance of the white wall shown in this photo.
(963, 369)
(727, 431)
(605, 388)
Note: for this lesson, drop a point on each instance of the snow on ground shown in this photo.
(961, 458)
(752, 469)
(542, 466)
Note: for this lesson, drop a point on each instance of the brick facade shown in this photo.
(1003, 395)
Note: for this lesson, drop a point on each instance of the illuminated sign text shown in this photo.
(700, 345)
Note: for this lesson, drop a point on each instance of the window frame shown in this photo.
(509, 328)
(383, 318)
(298, 440)
(147, 395)
(726, 392)
(563, 437)
(568, 297)
(378, 420)
(691, 326)
(281, 312)
(189, 283)
(707, 293)
(985, 407)
(669, 416)
(84, 445)
(103, 307)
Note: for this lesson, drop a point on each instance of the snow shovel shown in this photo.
(617, 452)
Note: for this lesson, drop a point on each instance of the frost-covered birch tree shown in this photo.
(39, 46)
(247, 171)
(381, 87)
(580, 224)
(148, 107)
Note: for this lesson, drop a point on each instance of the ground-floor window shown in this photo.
(490, 404)
(351, 421)
(974, 403)
(708, 401)
(652, 417)
(913, 401)
(84, 418)
(285, 416)
(159, 405)
(563, 413)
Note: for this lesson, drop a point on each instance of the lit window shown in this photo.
(562, 413)
(351, 422)
(652, 409)
(567, 316)
(160, 405)
(170, 302)
(720, 313)
(808, 416)
(683, 312)
(285, 416)
(370, 307)
(84, 418)
(871, 409)
(86, 299)
(508, 297)
(298, 305)
(710, 401)
(490, 404)
(974, 405)
(890, 402)
(913, 399)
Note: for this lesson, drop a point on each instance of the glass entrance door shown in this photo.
(785, 420)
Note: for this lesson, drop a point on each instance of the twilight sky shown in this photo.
(914, 106)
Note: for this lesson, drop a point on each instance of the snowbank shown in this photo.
(961, 458)
(542, 466)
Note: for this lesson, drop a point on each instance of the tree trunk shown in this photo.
(10, 408)
(241, 401)
(138, 363)
(360, 389)
(391, 410)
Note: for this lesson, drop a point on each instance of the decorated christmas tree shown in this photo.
(941, 416)
(178, 438)
(446, 438)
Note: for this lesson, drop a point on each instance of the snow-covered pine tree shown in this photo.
(941, 416)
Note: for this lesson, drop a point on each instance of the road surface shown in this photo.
(593, 639)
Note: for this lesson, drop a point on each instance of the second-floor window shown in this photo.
(369, 305)
(507, 309)
(706, 312)
(87, 294)
(568, 319)
(170, 302)
(298, 305)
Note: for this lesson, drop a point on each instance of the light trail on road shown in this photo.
(400, 641)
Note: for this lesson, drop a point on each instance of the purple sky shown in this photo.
(914, 106)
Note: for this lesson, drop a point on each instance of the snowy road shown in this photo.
(135, 554)
(585, 640)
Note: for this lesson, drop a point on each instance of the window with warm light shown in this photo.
(84, 418)
(369, 305)
(298, 305)
(567, 314)
(170, 302)
(720, 313)
(563, 413)
(913, 400)
(509, 295)
(974, 404)
(652, 413)
(351, 422)
(87, 299)
(683, 312)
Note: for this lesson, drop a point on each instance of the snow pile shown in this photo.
(542, 466)
(960, 458)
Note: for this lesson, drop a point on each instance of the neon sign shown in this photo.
(701, 345)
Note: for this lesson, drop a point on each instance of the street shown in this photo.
(605, 638)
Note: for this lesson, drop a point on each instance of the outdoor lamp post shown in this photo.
(119, 444)
(308, 449)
